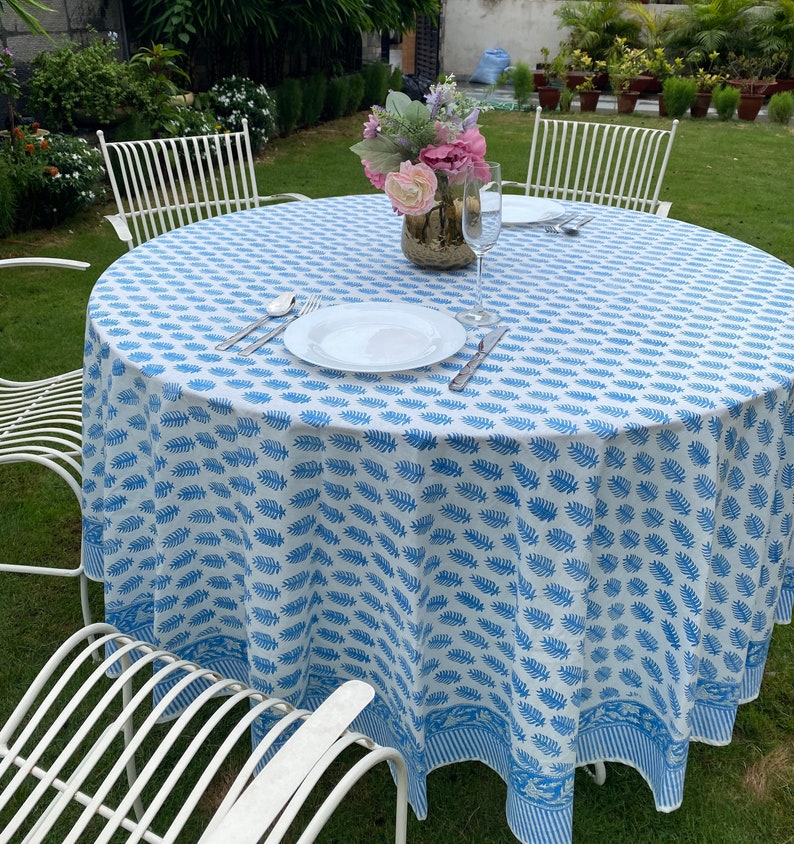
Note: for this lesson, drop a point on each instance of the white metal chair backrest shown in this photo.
(603, 163)
(164, 183)
(75, 739)
(42, 422)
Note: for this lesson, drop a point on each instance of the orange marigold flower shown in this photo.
(35, 127)
(29, 147)
(51, 171)
(44, 145)
(18, 133)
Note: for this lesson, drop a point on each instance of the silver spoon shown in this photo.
(574, 229)
(278, 307)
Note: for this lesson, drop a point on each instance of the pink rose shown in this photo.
(412, 190)
(377, 178)
(455, 157)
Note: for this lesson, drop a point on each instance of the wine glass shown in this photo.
(482, 221)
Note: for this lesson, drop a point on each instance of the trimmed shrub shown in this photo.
(355, 93)
(314, 89)
(523, 83)
(396, 79)
(376, 84)
(679, 94)
(781, 107)
(335, 97)
(725, 100)
(289, 98)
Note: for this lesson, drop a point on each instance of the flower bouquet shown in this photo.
(418, 153)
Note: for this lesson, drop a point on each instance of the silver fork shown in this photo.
(556, 228)
(311, 304)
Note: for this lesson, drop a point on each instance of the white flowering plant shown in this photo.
(236, 97)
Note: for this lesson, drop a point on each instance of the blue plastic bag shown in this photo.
(492, 64)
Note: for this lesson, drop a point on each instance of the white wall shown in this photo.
(521, 27)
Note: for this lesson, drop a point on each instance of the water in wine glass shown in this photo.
(484, 228)
(482, 222)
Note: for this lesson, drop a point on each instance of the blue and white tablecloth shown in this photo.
(580, 557)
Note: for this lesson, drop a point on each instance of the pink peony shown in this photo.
(377, 178)
(412, 190)
(455, 157)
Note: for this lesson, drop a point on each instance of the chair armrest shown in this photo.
(64, 263)
(274, 196)
(271, 790)
(120, 227)
(663, 209)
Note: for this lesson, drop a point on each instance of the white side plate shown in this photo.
(520, 210)
(374, 337)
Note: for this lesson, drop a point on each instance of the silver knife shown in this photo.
(486, 344)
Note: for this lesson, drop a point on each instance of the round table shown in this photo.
(579, 557)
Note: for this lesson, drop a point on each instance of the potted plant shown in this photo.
(554, 78)
(753, 75)
(660, 68)
(589, 94)
(623, 65)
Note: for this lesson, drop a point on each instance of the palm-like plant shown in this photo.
(19, 7)
(716, 26)
(594, 25)
(773, 30)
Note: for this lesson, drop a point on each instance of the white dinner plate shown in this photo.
(518, 210)
(374, 337)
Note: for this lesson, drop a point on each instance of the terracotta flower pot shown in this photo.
(640, 83)
(700, 108)
(662, 107)
(549, 97)
(749, 106)
(588, 100)
(627, 101)
(574, 78)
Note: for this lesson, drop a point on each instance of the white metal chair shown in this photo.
(42, 422)
(73, 739)
(164, 183)
(604, 163)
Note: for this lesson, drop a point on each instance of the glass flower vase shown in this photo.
(435, 240)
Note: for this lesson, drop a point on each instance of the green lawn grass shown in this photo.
(731, 177)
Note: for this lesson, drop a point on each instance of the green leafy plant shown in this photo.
(523, 82)
(90, 82)
(236, 97)
(725, 99)
(657, 64)
(679, 93)
(781, 107)
(624, 64)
